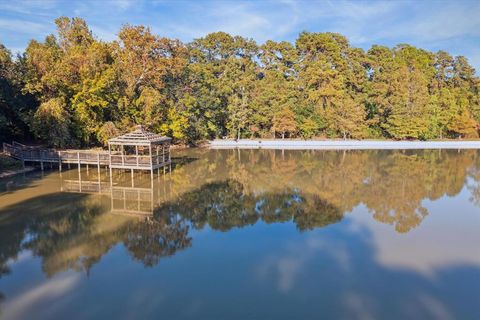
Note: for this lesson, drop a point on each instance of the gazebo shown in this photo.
(139, 149)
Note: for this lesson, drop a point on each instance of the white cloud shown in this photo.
(446, 238)
(38, 297)
(22, 257)
(123, 4)
(448, 24)
(441, 23)
(288, 266)
(242, 18)
(29, 7)
(359, 306)
(105, 34)
(434, 307)
(13, 26)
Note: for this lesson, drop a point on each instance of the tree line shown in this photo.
(74, 90)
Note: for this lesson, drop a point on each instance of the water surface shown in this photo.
(247, 234)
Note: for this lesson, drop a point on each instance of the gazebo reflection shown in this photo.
(129, 194)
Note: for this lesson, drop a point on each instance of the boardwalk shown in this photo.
(139, 149)
(51, 156)
(41, 155)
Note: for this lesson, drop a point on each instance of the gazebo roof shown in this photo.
(139, 136)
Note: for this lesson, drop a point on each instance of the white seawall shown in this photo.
(342, 144)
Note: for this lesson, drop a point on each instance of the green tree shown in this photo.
(333, 77)
(15, 106)
(284, 122)
(52, 123)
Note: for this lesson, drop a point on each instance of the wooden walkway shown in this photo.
(37, 154)
(84, 157)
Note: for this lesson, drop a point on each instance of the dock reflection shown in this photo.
(136, 193)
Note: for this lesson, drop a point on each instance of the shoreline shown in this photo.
(11, 173)
(342, 144)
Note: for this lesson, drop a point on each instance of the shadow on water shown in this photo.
(183, 160)
(23, 181)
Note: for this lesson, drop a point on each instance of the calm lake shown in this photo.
(249, 234)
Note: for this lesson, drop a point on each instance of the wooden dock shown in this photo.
(137, 150)
(41, 155)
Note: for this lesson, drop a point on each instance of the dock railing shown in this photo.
(11, 151)
(21, 152)
(84, 157)
(94, 157)
(25, 153)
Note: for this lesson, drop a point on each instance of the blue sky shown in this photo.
(449, 25)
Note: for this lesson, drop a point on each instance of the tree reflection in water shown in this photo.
(148, 240)
(77, 236)
(231, 188)
(391, 184)
(225, 205)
